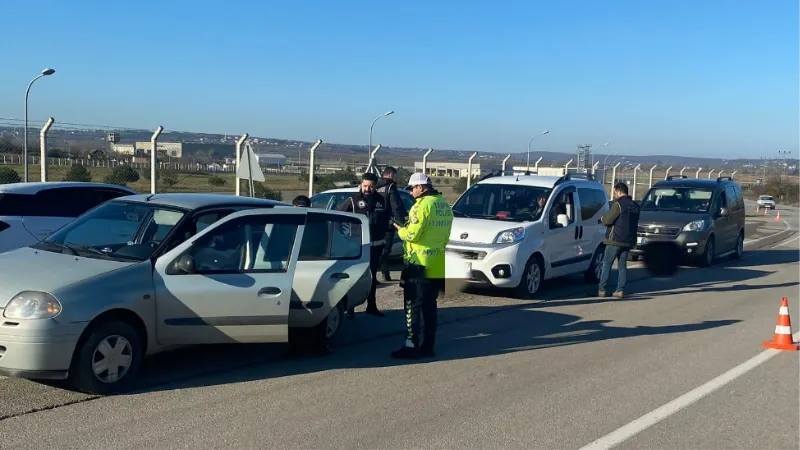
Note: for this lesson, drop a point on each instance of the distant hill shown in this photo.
(293, 149)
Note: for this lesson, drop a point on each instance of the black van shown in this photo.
(704, 217)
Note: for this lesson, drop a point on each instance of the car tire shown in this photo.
(739, 251)
(532, 277)
(592, 274)
(115, 341)
(707, 258)
(634, 258)
(318, 337)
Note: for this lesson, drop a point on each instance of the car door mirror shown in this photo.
(562, 220)
(185, 264)
(724, 212)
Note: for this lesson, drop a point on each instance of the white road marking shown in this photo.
(786, 226)
(791, 240)
(626, 432)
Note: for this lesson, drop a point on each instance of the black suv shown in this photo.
(704, 217)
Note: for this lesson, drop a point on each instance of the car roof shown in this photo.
(349, 190)
(703, 183)
(540, 181)
(194, 201)
(32, 188)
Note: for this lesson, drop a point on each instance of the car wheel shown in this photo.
(634, 258)
(595, 270)
(531, 280)
(333, 323)
(304, 340)
(108, 359)
(739, 246)
(708, 256)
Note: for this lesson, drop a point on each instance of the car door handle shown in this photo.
(340, 276)
(576, 232)
(269, 291)
(580, 236)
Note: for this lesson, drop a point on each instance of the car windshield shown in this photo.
(685, 199)
(116, 230)
(502, 202)
(765, 197)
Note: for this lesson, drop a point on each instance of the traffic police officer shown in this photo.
(424, 239)
(367, 201)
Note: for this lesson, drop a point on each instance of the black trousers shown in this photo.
(420, 296)
(374, 263)
(387, 249)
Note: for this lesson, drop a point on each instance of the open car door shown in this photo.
(232, 282)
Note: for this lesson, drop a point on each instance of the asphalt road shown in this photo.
(569, 371)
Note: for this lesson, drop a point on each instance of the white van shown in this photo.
(501, 238)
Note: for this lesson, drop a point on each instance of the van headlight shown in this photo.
(510, 236)
(697, 225)
(32, 305)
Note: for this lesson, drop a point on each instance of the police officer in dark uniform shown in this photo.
(369, 202)
(387, 187)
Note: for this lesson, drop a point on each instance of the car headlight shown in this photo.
(32, 305)
(510, 236)
(697, 225)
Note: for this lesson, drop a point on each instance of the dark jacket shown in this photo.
(397, 210)
(622, 221)
(374, 207)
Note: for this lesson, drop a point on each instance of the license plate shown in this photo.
(458, 270)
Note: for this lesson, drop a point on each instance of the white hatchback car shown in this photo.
(29, 212)
(766, 201)
(501, 238)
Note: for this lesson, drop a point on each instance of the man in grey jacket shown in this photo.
(622, 221)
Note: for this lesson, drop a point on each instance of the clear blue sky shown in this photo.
(685, 77)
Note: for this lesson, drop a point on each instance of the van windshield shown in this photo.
(502, 202)
(686, 199)
(116, 230)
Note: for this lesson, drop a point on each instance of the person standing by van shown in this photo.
(387, 187)
(622, 221)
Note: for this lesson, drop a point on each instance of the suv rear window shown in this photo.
(15, 205)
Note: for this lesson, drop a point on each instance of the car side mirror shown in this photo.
(562, 220)
(724, 212)
(185, 264)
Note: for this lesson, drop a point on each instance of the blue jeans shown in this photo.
(620, 254)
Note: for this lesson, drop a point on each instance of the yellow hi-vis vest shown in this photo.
(427, 233)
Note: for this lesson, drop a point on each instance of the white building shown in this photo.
(453, 169)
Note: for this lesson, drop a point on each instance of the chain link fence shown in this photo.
(195, 162)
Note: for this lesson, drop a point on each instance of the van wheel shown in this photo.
(108, 359)
(708, 256)
(531, 280)
(739, 246)
(595, 270)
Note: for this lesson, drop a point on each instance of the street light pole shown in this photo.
(785, 159)
(528, 161)
(387, 113)
(601, 146)
(44, 73)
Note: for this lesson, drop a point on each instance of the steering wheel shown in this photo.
(152, 244)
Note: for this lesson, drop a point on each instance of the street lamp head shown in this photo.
(48, 71)
(389, 113)
(545, 132)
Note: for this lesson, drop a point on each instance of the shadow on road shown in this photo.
(514, 331)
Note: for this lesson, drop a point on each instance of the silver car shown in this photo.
(143, 274)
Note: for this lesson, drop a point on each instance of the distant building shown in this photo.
(177, 149)
(271, 159)
(453, 169)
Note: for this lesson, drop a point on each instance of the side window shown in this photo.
(330, 237)
(739, 197)
(321, 201)
(260, 243)
(66, 202)
(592, 201)
(730, 194)
(564, 204)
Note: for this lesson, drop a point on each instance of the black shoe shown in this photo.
(373, 311)
(406, 353)
(387, 277)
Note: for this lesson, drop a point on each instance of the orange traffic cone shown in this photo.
(758, 208)
(778, 217)
(782, 340)
(766, 211)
